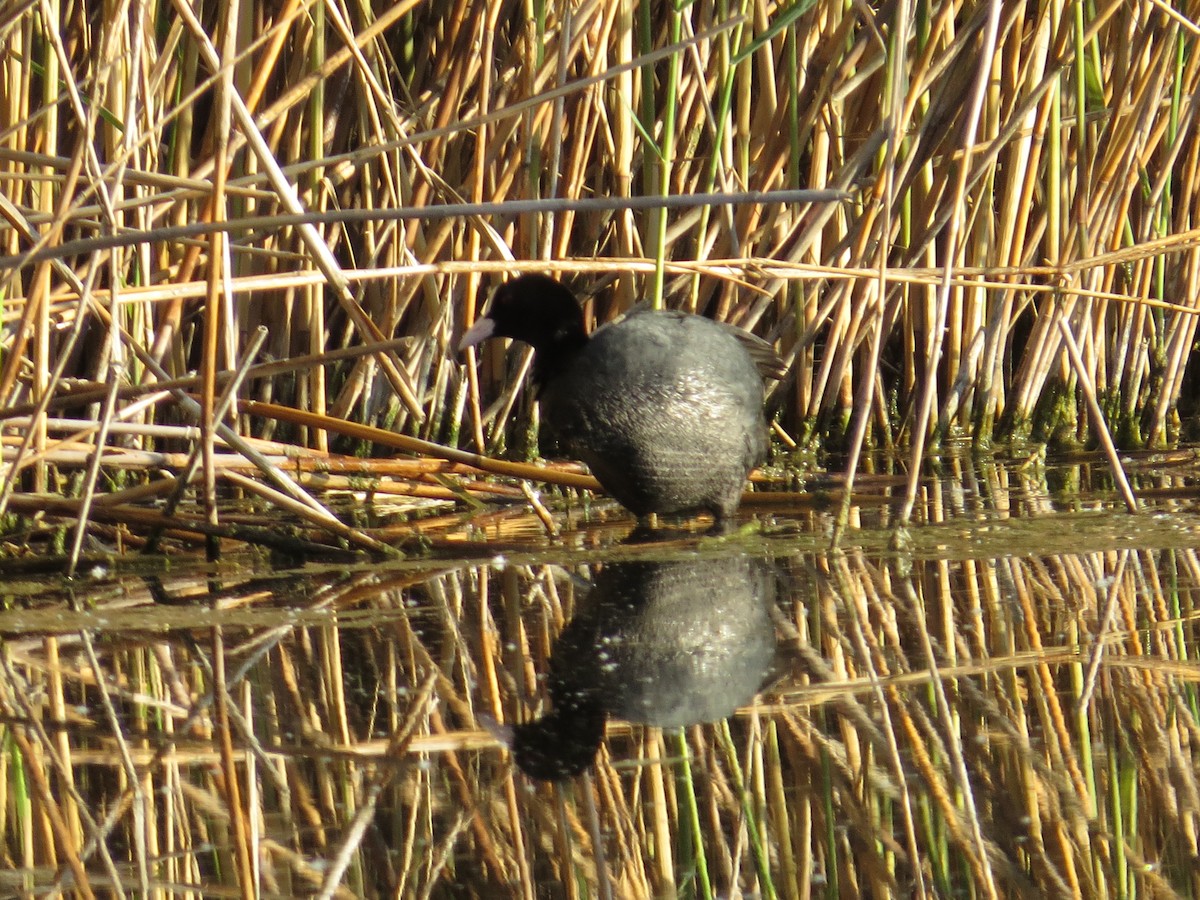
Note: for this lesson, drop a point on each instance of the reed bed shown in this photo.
(237, 245)
(976, 717)
(1013, 258)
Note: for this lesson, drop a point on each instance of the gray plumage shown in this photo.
(666, 408)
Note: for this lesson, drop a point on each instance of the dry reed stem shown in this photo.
(1074, 185)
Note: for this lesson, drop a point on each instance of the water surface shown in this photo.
(995, 700)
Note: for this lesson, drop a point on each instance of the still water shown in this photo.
(998, 700)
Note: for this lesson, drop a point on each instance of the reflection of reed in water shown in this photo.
(1008, 709)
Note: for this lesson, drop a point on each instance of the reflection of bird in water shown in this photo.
(658, 643)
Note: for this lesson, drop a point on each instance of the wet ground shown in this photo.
(998, 699)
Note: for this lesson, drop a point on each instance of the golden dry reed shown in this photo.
(1013, 257)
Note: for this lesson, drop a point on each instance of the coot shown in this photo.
(666, 408)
